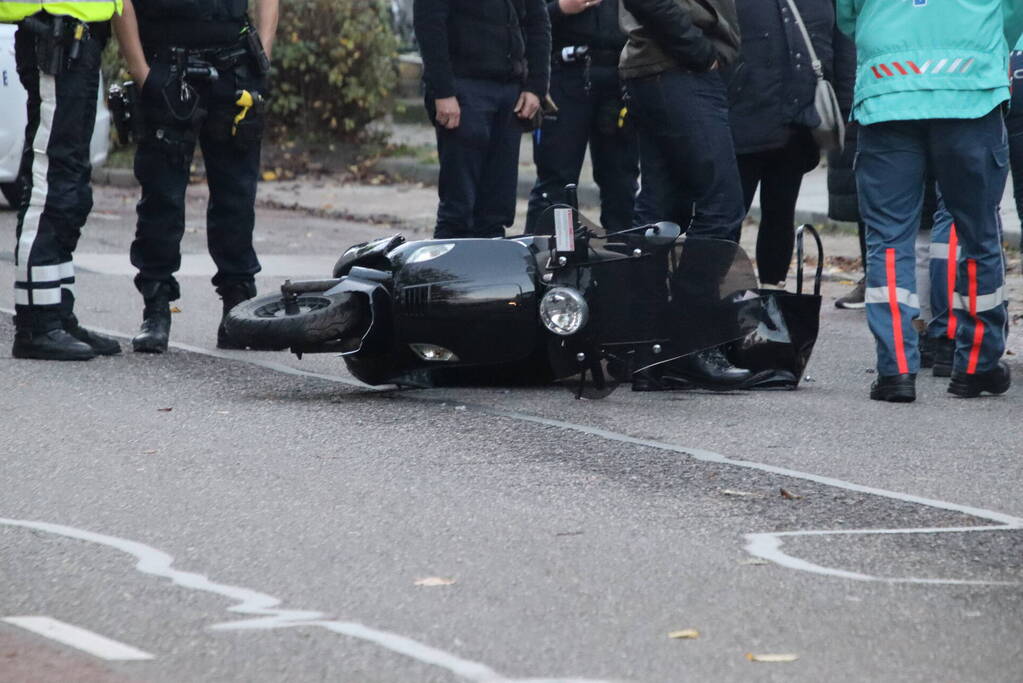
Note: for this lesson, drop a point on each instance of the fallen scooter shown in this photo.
(579, 307)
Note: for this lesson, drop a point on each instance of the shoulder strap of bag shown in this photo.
(814, 62)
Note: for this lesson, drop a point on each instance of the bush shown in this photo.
(334, 68)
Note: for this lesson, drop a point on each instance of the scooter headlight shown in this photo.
(564, 311)
(430, 252)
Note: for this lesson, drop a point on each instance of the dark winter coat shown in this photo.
(677, 34)
(842, 198)
(771, 87)
(501, 40)
(596, 27)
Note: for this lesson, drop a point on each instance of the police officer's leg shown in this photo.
(890, 169)
(232, 171)
(462, 152)
(971, 164)
(614, 152)
(559, 147)
(162, 160)
(499, 176)
(49, 222)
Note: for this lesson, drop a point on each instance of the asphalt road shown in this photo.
(237, 520)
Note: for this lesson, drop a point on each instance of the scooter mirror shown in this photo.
(662, 234)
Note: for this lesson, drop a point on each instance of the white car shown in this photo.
(12, 120)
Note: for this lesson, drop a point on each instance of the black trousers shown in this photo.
(61, 117)
(589, 102)
(162, 166)
(779, 174)
(479, 160)
(1014, 122)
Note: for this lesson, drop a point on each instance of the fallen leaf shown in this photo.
(148, 452)
(685, 634)
(771, 659)
(175, 309)
(164, 410)
(733, 492)
(753, 562)
(269, 176)
(788, 495)
(431, 581)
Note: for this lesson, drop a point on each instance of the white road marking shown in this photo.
(79, 638)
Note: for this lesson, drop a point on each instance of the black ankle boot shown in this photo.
(708, 369)
(232, 295)
(51, 345)
(100, 343)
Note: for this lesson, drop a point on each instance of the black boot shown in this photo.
(708, 369)
(997, 380)
(51, 345)
(100, 343)
(232, 295)
(944, 353)
(894, 388)
(156, 317)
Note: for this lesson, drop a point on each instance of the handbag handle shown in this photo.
(818, 70)
(799, 259)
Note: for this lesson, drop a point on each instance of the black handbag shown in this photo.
(778, 350)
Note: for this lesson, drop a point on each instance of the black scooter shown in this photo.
(579, 307)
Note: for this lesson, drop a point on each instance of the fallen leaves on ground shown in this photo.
(164, 410)
(431, 581)
(788, 495)
(771, 659)
(175, 309)
(685, 634)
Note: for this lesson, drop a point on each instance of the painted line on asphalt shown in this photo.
(79, 638)
(155, 562)
(763, 545)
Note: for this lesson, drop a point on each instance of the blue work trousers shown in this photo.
(969, 158)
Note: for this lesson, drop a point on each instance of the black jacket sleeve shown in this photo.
(430, 20)
(673, 29)
(537, 31)
(844, 78)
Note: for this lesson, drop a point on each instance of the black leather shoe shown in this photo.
(231, 296)
(994, 381)
(100, 343)
(894, 388)
(154, 333)
(944, 351)
(708, 369)
(53, 345)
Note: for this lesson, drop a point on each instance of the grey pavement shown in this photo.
(578, 534)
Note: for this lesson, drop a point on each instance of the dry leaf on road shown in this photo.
(788, 495)
(431, 581)
(753, 562)
(772, 659)
(685, 634)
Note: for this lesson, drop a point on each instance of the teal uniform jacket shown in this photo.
(929, 59)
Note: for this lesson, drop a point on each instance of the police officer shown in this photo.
(586, 42)
(57, 49)
(203, 69)
(930, 87)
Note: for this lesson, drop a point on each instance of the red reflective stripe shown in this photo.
(913, 66)
(899, 67)
(978, 330)
(887, 71)
(893, 304)
(951, 268)
(877, 74)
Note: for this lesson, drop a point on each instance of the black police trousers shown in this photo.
(589, 102)
(56, 164)
(173, 125)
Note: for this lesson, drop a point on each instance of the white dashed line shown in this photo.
(79, 638)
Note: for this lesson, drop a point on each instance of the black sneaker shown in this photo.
(53, 345)
(100, 343)
(994, 381)
(894, 388)
(856, 298)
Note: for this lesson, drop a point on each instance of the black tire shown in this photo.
(14, 192)
(262, 324)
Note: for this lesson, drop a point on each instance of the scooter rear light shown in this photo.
(430, 352)
(564, 311)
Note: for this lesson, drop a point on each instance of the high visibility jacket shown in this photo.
(85, 10)
(921, 59)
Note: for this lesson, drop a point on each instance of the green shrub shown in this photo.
(333, 68)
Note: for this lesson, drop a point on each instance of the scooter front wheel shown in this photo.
(264, 323)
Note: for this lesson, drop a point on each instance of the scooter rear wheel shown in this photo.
(264, 324)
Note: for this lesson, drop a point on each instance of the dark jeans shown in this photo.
(162, 166)
(589, 102)
(686, 153)
(779, 173)
(1014, 122)
(479, 160)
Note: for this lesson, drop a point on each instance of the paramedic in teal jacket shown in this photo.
(931, 86)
